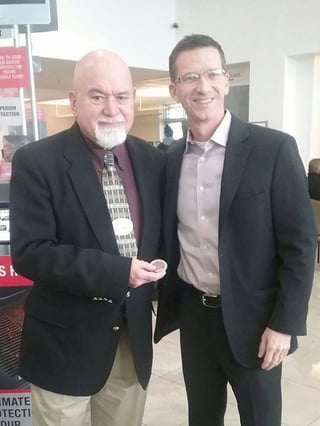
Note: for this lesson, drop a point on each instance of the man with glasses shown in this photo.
(240, 243)
(85, 208)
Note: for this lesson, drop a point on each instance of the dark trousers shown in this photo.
(209, 365)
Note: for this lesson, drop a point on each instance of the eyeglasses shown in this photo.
(194, 77)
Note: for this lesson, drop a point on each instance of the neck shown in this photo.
(203, 130)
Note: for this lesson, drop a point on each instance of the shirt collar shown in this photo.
(98, 152)
(120, 151)
(219, 136)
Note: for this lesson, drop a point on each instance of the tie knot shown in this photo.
(109, 159)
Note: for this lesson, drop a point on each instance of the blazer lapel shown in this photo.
(173, 168)
(88, 188)
(146, 192)
(139, 169)
(237, 151)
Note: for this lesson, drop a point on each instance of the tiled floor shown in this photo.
(166, 402)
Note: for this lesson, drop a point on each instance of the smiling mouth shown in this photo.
(203, 101)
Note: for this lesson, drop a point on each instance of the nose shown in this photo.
(110, 106)
(203, 84)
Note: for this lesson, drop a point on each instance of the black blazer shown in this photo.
(62, 238)
(267, 239)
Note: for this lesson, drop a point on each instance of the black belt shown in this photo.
(208, 300)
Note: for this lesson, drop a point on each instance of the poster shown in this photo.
(13, 68)
(10, 143)
(10, 111)
(15, 398)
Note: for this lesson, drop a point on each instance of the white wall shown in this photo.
(315, 123)
(267, 34)
(279, 38)
(140, 31)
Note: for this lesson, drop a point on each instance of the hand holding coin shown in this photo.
(160, 264)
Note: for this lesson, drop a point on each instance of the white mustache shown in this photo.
(111, 121)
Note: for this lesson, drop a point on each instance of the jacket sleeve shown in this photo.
(296, 240)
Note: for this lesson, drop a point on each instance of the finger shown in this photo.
(143, 277)
(282, 356)
(267, 360)
(273, 360)
(155, 276)
(148, 267)
(265, 364)
(262, 348)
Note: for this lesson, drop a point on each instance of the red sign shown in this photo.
(8, 276)
(13, 67)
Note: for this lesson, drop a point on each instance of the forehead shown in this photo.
(198, 60)
(105, 76)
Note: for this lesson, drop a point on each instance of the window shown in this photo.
(175, 116)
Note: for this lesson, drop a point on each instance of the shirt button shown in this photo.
(202, 159)
(115, 328)
(202, 218)
(210, 274)
(201, 188)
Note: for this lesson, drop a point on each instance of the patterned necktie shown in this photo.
(118, 208)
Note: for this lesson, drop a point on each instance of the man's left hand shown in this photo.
(273, 348)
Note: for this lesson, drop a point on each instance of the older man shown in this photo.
(86, 342)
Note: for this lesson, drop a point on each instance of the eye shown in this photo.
(122, 99)
(96, 99)
(213, 74)
(190, 78)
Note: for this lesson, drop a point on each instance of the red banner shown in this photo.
(13, 67)
(15, 397)
(8, 276)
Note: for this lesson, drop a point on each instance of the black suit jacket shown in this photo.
(62, 238)
(267, 239)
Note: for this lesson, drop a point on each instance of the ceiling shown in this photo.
(55, 80)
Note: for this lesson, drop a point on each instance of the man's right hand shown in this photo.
(142, 272)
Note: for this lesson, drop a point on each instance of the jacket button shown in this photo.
(115, 328)
(128, 294)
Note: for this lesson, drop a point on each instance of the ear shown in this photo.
(173, 91)
(227, 84)
(73, 101)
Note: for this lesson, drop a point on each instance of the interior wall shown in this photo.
(300, 104)
(57, 120)
(315, 123)
(237, 101)
(147, 126)
(264, 34)
(135, 30)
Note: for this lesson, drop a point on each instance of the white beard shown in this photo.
(110, 137)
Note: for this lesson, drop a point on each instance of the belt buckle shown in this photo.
(206, 297)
